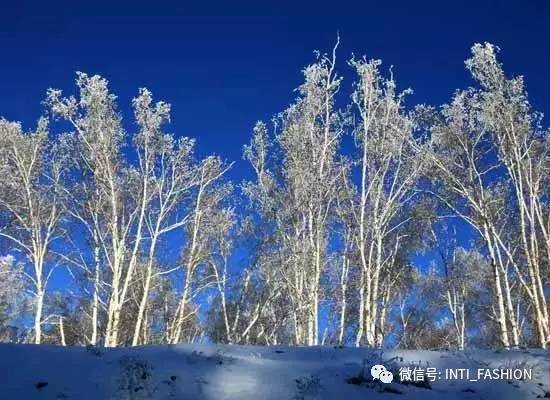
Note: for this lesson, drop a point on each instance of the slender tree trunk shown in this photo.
(501, 312)
(343, 295)
(142, 306)
(462, 327)
(361, 319)
(510, 311)
(38, 315)
(179, 318)
(317, 283)
(113, 311)
(62, 332)
(146, 288)
(40, 292)
(95, 300)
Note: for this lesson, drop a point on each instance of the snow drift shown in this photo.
(210, 372)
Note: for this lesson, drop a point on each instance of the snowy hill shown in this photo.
(209, 372)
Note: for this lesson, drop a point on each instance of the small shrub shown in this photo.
(308, 387)
(134, 382)
(93, 350)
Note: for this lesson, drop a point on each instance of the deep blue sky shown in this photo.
(225, 65)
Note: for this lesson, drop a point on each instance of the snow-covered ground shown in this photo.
(209, 372)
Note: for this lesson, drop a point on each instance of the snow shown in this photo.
(215, 372)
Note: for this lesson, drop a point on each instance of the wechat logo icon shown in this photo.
(380, 372)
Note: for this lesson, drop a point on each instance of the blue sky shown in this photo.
(224, 66)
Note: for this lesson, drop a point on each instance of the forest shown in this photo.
(365, 221)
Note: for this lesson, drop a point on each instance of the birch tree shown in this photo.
(391, 161)
(309, 137)
(208, 196)
(460, 282)
(462, 162)
(303, 188)
(347, 256)
(12, 296)
(30, 197)
(523, 148)
(171, 176)
(99, 140)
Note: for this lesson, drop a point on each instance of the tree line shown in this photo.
(433, 232)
